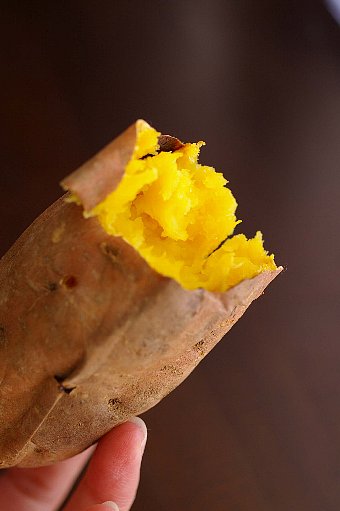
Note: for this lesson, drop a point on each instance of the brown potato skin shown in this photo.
(90, 335)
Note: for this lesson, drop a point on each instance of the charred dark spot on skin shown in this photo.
(114, 254)
(167, 144)
(199, 347)
(3, 336)
(171, 369)
(39, 450)
(52, 286)
(114, 404)
(69, 281)
(110, 251)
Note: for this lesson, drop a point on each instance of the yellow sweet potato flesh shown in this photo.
(180, 216)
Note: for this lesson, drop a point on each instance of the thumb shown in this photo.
(113, 474)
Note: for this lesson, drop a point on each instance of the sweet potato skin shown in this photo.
(58, 285)
(90, 335)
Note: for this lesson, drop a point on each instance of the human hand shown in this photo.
(112, 477)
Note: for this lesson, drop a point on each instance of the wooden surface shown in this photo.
(256, 427)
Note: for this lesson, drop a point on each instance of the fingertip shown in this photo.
(128, 435)
(105, 506)
(118, 460)
(111, 505)
(141, 426)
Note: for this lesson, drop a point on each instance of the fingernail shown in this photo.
(141, 424)
(111, 504)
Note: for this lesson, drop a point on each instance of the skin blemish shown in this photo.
(114, 404)
(168, 143)
(114, 254)
(66, 390)
(199, 347)
(110, 251)
(59, 379)
(172, 370)
(69, 281)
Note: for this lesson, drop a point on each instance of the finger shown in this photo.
(113, 474)
(40, 489)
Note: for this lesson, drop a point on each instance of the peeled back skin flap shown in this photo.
(90, 334)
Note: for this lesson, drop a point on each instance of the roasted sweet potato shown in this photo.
(91, 333)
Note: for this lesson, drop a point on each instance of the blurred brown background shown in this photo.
(256, 427)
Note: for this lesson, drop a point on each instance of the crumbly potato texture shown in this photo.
(180, 216)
